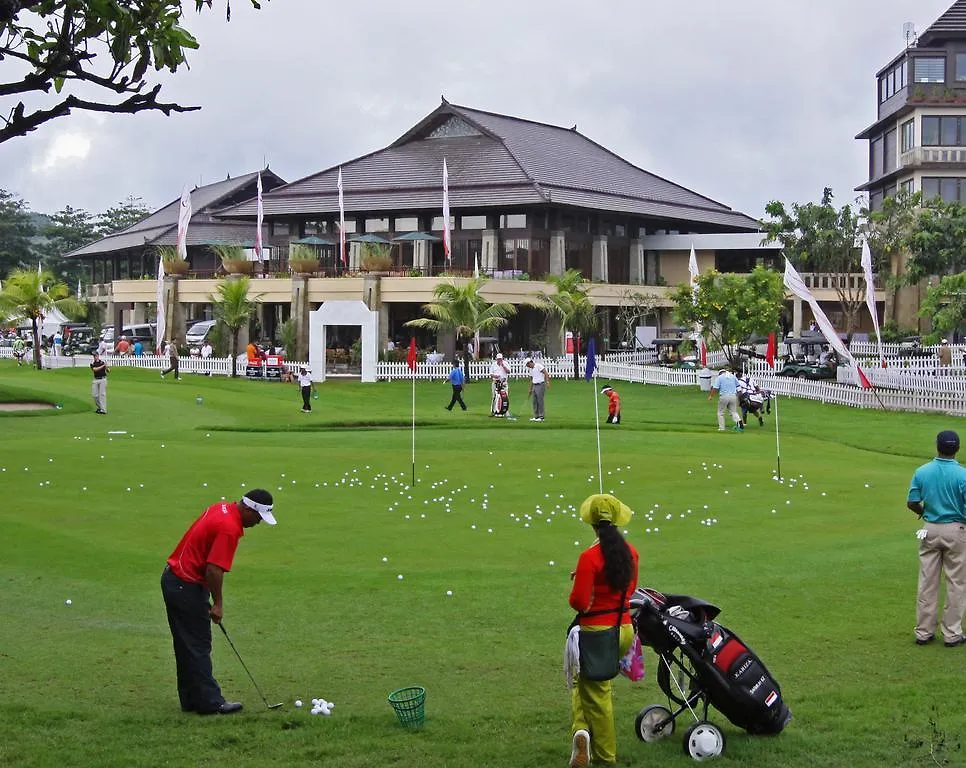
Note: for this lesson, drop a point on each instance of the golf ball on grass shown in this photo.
(298, 703)
(68, 602)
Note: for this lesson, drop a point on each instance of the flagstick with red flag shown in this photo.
(411, 362)
(591, 372)
(770, 359)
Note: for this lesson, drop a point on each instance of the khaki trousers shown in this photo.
(99, 393)
(727, 403)
(943, 550)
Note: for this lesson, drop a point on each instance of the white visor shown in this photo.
(264, 510)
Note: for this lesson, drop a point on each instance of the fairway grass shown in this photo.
(816, 573)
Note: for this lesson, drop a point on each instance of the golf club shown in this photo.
(225, 632)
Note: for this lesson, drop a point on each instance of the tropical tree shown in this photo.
(89, 56)
(823, 239)
(16, 230)
(888, 231)
(29, 294)
(233, 307)
(935, 241)
(67, 230)
(945, 303)
(571, 305)
(729, 308)
(459, 308)
(126, 213)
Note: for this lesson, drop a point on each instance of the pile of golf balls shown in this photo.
(322, 707)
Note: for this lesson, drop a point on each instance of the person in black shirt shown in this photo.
(99, 385)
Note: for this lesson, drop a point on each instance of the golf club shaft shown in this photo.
(225, 632)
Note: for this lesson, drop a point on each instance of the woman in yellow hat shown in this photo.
(606, 573)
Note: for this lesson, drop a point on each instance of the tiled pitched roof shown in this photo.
(161, 227)
(510, 161)
(952, 24)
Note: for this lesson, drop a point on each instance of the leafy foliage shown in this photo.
(936, 241)
(729, 307)
(233, 307)
(16, 231)
(71, 49)
(823, 239)
(31, 295)
(945, 303)
(571, 305)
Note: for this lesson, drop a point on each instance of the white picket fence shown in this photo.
(898, 389)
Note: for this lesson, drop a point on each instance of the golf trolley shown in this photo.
(702, 664)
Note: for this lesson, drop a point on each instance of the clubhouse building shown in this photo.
(527, 200)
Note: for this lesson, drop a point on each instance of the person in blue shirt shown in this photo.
(457, 379)
(726, 385)
(938, 495)
(138, 349)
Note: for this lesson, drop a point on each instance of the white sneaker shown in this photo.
(534, 419)
(580, 753)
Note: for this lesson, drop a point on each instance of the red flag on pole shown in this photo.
(704, 354)
(411, 357)
(770, 350)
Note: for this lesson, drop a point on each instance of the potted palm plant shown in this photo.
(173, 263)
(233, 259)
(376, 258)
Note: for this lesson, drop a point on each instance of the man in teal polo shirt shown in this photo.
(938, 495)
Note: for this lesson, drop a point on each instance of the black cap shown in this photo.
(947, 442)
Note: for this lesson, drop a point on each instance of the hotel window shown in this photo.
(960, 67)
(891, 161)
(929, 69)
(377, 225)
(908, 130)
(876, 165)
(907, 187)
(280, 228)
(950, 189)
(438, 223)
(513, 221)
(408, 224)
(472, 222)
(892, 82)
(941, 132)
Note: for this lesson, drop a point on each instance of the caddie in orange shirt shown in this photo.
(193, 576)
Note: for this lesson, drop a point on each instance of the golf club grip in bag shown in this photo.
(747, 693)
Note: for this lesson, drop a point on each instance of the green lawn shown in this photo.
(820, 580)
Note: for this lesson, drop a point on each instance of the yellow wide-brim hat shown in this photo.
(603, 506)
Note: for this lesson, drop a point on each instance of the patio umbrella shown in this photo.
(313, 240)
(413, 236)
(369, 238)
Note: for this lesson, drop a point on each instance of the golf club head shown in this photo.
(275, 706)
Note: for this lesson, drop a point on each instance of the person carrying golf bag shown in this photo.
(193, 576)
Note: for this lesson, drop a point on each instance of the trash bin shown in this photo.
(705, 379)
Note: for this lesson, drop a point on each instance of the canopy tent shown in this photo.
(49, 325)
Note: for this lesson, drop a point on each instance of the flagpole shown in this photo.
(778, 445)
(600, 468)
(413, 372)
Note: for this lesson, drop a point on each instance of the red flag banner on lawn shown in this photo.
(704, 354)
(411, 357)
(341, 222)
(770, 350)
(259, 215)
(447, 239)
(795, 284)
(870, 296)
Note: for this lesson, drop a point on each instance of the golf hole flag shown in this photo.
(795, 284)
(591, 359)
(770, 350)
(411, 357)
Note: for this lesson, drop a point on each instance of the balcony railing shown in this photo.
(853, 281)
(920, 156)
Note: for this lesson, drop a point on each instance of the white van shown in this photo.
(198, 332)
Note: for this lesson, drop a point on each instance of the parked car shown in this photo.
(198, 332)
(143, 332)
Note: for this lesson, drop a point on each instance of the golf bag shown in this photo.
(757, 403)
(704, 663)
(501, 399)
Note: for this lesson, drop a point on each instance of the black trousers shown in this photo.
(187, 607)
(172, 367)
(306, 398)
(614, 418)
(457, 398)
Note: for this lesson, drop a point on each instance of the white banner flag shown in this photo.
(259, 215)
(341, 223)
(447, 242)
(160, 330)
(870, 296)
(184, 218)
(795, 284)
(693, 270)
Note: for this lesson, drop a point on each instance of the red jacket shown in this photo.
(591, 592)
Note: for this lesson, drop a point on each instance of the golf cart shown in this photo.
(808, 357)
(81, 341)
(669, 354)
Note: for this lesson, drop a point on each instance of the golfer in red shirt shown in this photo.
(192, 577)
(613, 404)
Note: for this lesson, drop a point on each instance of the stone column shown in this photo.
(138, 313)
(490, 259)
(372, 296)
(355, 256)
(173, 312)
(599, 263)
(421, 256)
(300, 315)
(796, 316)
(637, 263)
(558, 252)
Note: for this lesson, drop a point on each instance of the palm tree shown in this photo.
(571, 305)
(233, 307)
(29, 294)
(461, 309)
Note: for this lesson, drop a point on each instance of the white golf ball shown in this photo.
(551, 562)
(385, 559)
(298, 703)
(449, 593)
(400, 577)
(68, 602)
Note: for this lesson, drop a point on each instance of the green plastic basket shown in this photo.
(409, 705)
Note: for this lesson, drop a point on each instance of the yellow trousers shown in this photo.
(593, 706)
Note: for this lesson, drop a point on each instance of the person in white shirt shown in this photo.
(539, 381)
(206, 350)
(499, 372)
(307, 387)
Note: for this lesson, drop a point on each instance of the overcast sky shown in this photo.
(741, 101)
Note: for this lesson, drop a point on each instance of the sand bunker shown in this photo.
(25, 406)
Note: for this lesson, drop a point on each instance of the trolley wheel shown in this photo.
(704, 741)
(654, 723)
(673, 680)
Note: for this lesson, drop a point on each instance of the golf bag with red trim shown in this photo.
(704, 661)
(501, 399)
